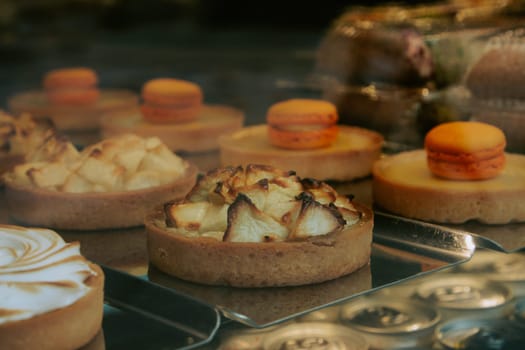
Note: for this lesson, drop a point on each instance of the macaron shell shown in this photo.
(161, 114)
(302, 111)
(464, 137)
(465, 150)
(466, 157)
(73, 96)
(480, 170)
(310, 139)
(173, 92)
(70, 77)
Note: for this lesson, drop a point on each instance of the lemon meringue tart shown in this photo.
(52, 297)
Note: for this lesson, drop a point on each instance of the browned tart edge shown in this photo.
(247, 264)
(70, 327)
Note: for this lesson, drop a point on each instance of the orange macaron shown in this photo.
(465, 150)
(302, 124)
(167, 100)
(71, 86)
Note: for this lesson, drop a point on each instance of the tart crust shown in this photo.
(197, 136)
(247, 264)
(93, 210)
(70, 327)
(350, 157)
(403, 184)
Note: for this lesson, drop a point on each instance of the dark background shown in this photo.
(240, 52)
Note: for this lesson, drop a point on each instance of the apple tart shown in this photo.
(18, 138)
(110, 184)
(52, 297)
(257, 226)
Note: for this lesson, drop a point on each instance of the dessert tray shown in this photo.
(145, 306)
(401, 250)
(509, 238)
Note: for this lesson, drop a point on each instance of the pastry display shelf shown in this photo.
(187, 315)
(143, 305)
(138, 312)
(402, 249)
(506, 238)
(146, 306)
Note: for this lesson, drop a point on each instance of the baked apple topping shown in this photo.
(20, 136)
(259, 203)
(122, 163)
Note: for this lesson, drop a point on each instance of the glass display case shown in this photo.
(396, 69)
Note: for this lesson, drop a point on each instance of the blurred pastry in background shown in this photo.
(302, 124)
(19, 137)
(303, 135)
(171, 101)
(110, 184)
(375, 73)
(378, 64)
(72, 100)
(496, 81)
(498, 74)
(72, 86)
(361, 53)
(389, 110)
(441, 106)
(174, 110)
(463, 174)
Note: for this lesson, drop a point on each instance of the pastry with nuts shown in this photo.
(259, 226)
(110, 184)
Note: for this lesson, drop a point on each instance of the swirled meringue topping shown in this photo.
(39, 272)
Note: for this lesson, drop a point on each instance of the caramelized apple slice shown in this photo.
(55, 148)
(351, 216)
(215, 220)
(257, 172)
(21, 173)
(130, 159)
(258, 193)
(142, 179)
(281, 202)
(246, 223)
(342, 201)
(162, 160)
(97, 170)
(321, 191)
(222, 193)
(316, 219)
(208, 183)
(289, 183)
(202, 217)
(77, 184)
(50, 175)
(186, 215)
